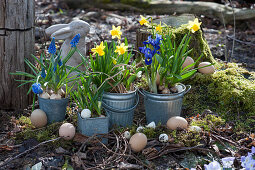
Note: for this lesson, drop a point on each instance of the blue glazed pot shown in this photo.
(120, 107)
(55, 109)
(160, 107)
(92, 126)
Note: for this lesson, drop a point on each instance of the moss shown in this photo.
(229, 92)
(186, 138)
(208, 123)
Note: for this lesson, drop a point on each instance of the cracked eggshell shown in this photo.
(61, 92)
(195, 128)
(67, 131)
(45, 95)
(151, 125)
(187, 62)
(55, 96)
(163, 138)
(38, 118)
(177, 122)
(138, 142)
(140, 129)
(127, 134)
(206, 70)
(85, 113)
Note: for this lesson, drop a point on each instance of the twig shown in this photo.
(26, 151)
(240, 41)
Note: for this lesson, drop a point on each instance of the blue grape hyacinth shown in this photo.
(37, 89)
(75, 40)
(52, 47)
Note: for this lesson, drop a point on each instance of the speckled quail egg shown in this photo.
(163, 137)
(127, 134)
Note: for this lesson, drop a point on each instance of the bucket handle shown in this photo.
(118, 110)
(188, 87)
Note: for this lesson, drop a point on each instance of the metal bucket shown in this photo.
(92, 126)
(120, 107)
(160, 107)
(55, 109)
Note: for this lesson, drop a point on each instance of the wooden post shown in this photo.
(16, 43)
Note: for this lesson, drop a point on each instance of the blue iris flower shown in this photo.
(43, 73)
(52, 47)
(55, 67)
(148, 61)
(37, 89)
(75, 40)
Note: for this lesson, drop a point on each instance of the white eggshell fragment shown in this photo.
(151, 125)
(140, 129)
(85, 113)
(67, 131)
(127, 134)
(177, 122)
(163, 138)
(206, 70)
(55, 96)
(138, 142)
(187, 62)
(45, 95)
(195, 128)
(38, 118)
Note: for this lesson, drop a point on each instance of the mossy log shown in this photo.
(178, 30)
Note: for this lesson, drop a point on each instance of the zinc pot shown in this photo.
(55, 109)
(92, 126)
(160, 107)
(120, 107)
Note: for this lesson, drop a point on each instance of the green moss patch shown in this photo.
(230, 92)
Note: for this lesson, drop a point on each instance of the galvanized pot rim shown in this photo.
(172, 96)
(120, 96)
(54, 100)
(91, 118)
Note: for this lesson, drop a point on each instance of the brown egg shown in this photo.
(138, 142)
(158, 79)
(177, 122)
(187, 62)
(38, 118)
(206, 70)
(67, 131)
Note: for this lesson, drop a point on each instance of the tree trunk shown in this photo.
(16, 43)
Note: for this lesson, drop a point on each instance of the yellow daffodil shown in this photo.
(99, 49)
(194, 25)
(115, 32)
(114, 61)
(159, 28)
(121, 49)
(143, 21)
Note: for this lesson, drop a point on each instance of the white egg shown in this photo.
(45, 95)
(140, 129)
(127, 134)
(55, 96)
(67, 131)
(151, 125)
(85, 113)
(195, 128)
(163, 137)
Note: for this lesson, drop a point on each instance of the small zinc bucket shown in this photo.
(55, 109)
(120, 107)
(160, 107)
(92, 126)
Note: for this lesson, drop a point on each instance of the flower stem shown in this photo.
(33, 107)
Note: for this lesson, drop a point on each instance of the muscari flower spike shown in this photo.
(43, 74)
(75, 40)
(37, 89)
(52, 47)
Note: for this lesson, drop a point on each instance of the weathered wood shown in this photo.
(16, 43)
(209, 9)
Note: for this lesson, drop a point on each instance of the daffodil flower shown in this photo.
(99, 49)
(114, 61)
(159, 28)
(121, 49)
(143, 21)
(194, 25)
(115, 32)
